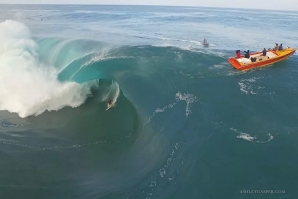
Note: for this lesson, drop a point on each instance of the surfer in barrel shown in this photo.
(110, 104)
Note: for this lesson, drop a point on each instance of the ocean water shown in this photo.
(186, 124)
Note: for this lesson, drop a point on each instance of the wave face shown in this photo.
(185, 123)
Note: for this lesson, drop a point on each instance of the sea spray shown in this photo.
(27, 86)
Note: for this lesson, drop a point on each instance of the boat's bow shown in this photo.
(286, 52)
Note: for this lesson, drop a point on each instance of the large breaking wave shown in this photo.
(47, 74)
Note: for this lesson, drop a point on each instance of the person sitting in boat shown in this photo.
(280, 47)
(238, 54)
(247, 55)
(264, 52)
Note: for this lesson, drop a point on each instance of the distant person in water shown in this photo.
(264, 52)
(205, 43)
(247, 55)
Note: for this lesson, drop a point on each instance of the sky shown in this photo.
(255, 4)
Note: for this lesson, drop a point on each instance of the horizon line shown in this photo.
(97, 4)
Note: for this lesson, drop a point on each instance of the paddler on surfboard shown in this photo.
(205, 43)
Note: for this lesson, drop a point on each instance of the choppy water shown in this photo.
(186, 123)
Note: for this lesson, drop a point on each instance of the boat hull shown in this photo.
(275, 56)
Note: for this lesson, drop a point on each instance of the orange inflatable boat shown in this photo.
(258, 60)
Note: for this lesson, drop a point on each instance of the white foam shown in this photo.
(246, 136)
(188, 98)
(159, 110)
(250, 138)
(270, 138)
(178, 40)
(248, 86)
(219, 66)
(27, 86)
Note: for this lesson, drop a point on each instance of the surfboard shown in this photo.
(109, 106)
(205, 44)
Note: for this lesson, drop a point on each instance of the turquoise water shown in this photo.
(186, 124)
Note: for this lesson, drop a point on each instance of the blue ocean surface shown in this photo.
(185, 124)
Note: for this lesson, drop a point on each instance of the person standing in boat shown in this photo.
(264, 52)
(276, 47)
(280, 47)
(247, 55)
(238, 54)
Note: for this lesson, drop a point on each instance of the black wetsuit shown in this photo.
(247, 55)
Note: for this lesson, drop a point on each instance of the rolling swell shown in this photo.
(143, 61)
